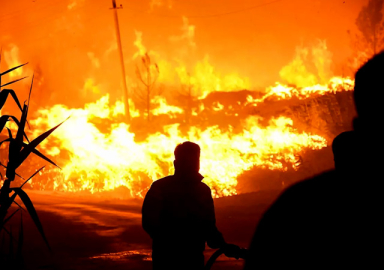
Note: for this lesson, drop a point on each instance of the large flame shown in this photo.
(96, 158)
(99, 151)
(281, 91)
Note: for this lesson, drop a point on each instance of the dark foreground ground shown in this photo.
(93, 233)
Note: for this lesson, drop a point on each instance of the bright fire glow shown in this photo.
(97, 160)
(99, 151)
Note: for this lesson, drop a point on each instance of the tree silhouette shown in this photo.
(370, 39)
(147, 73)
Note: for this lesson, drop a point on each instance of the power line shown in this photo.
(136, 12)
(236, 11)
(217, 14)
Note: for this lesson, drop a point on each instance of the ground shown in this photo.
(95, 233)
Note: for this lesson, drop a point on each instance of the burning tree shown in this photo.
(18, 152)
(147, 73)
(370, 39)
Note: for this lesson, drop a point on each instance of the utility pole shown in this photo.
(125, 89)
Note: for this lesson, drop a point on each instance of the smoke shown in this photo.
(160, 3)
(309, 66)
(95, 61)
(90, 87)
(74, 3)
(139, 45)
(188, 33)
(11, 57)
(322, 59)
(180, 69)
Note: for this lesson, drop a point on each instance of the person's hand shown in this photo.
(231, 250)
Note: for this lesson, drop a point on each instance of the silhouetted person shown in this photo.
(179, 215)
(345, 154)
(334, 220)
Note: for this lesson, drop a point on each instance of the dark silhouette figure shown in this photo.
(179, 215)
(334, 220)
(344, 152)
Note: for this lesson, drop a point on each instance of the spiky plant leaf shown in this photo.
(3, 121)
(22, 208)
(30, 89)
(39, 154)
(12, 69)
(20, 131)
(5, 118)
(1, 164)
(15, 146)
(29, 97)
(7, 219)
(32, 176)
(30, 147)
(13, 81)
(35, 151)
(32, 212)
(6, 231)
(6, 140)
(6, 203)
(10, 134)
(12, 155)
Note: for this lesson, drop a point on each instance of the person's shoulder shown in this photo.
(162, 182)
(308, 189)
(315, 184)
(304, 196)
(204, 187)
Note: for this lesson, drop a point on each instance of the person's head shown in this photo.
(369, 92)
(187, 158)
(345, 151)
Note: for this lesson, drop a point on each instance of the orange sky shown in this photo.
(252, 38)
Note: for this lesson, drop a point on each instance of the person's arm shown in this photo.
(151, 211)
(214, 237)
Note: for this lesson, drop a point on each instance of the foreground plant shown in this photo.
(18, 152)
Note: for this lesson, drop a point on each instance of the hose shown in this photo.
(213, 258)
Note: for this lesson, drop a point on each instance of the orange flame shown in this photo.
(106, 160)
